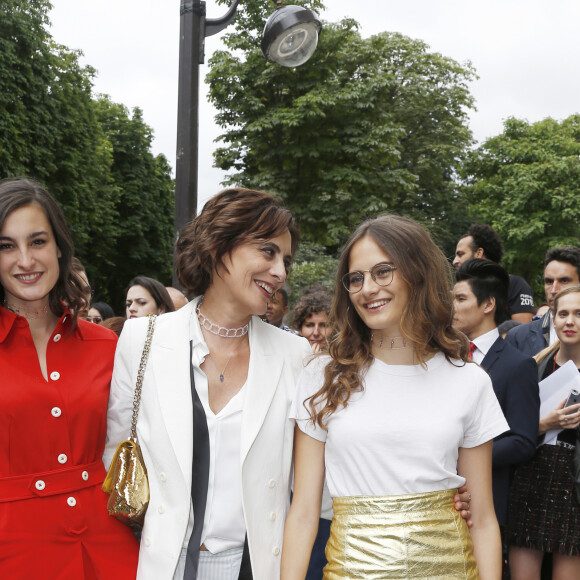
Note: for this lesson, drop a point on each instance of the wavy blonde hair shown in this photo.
(426, 319)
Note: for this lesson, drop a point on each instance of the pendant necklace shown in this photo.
(222, 374)
(28, 314)
(392, 342)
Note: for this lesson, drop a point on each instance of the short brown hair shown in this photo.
(313, 300)
(228, 219)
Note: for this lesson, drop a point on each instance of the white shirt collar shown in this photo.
(553, 335)
(484, 343)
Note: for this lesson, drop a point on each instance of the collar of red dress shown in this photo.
(9, 320)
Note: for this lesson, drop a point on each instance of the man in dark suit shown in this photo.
(561, 269)
(479, 298)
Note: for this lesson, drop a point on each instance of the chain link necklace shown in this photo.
(217, 329)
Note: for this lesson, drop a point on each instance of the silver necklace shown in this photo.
(222, 374)
(28, 314)
(394, 340)
(220, 330)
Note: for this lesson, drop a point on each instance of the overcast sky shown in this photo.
(525, 52)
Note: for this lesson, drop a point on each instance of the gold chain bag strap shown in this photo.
(126, 480)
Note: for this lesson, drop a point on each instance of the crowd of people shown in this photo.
(384, 429)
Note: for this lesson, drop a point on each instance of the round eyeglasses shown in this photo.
(382, 274)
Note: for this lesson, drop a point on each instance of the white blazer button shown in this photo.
(56, 412)
(40, 485)
(272, 483)
(163, 477)
(85, 475)
(161, 509)
(276, 551)
(62, 458)
(54, 375)
(57, 337)
(71, 501)
(147, 541)
(273, 516)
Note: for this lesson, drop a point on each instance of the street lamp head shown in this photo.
(290, 35)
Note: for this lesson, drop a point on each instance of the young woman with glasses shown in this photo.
(398, 419)
(99, 312)
(213, 423)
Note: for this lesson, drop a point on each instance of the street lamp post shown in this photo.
(194, 28)
(290, 38)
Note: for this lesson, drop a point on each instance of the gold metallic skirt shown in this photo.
(403, 537)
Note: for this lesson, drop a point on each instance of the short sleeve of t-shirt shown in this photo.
(402, 433)
(521, 297)
(310, 381)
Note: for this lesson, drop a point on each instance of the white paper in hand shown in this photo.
(553, 390)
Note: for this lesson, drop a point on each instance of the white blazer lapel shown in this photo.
(171, 371)
(263, 377)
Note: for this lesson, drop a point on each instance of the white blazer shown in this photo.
(165, 433)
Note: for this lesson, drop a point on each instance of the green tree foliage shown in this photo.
(145, 193)
(366, 126)
(312, 267)
(525, 183)
(48, 128)
(91, 155)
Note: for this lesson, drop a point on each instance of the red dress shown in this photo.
(53, 516)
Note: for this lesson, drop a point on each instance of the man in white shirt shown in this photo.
(479, 296)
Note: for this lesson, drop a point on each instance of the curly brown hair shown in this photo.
(69, 289)
(312, 300)
(426, 319)
(228, 219)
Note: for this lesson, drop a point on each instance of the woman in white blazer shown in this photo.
(218, 387)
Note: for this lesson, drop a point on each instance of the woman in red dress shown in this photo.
(55, 373)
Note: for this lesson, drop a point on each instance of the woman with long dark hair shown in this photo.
(56, 372)
(146, 296)
(398, 418)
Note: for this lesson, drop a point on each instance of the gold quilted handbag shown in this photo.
(126, 480)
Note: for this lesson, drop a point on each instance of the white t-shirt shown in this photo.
(402, 433)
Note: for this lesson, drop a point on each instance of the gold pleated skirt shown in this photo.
(399, 537)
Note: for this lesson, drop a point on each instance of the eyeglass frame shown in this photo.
(373, 276)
